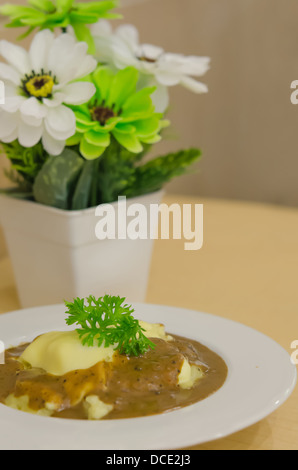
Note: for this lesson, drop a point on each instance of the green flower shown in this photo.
(117, 110)
(51, 14)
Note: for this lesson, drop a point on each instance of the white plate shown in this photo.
(261, 377)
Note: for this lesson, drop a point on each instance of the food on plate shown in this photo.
(111, 366)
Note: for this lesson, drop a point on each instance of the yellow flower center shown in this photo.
(40, 86)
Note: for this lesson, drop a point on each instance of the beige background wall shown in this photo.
(246, 125)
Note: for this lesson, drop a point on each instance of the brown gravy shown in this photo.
(136, 387)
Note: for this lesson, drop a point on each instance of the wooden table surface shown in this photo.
(246, 271)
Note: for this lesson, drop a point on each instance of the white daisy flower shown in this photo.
(39, 85)
(122, 48)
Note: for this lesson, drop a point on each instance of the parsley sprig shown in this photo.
(108, 321)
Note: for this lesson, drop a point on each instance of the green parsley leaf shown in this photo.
(108, 321)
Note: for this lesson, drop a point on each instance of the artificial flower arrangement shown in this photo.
(85, 105)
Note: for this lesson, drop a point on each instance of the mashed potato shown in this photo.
(95, 408)
(22, 404)
(189, 375)
(61, 352)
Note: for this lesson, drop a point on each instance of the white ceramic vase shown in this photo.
(56, 255)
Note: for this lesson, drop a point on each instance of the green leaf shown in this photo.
(147, 127)
(116, 172)
(94, 192)
(57, 179)
(109, 125)
(84, 119)
(89, 151)
(56, 20)
(44, 5)
(83, 34)
(82, 128)
(154, 139)
(97, 7)
(125, 128)
(98, 139)
(14, 24)
(19, 12)
(26, 33)
(27, 162)
(108, 321)
(13, 10)
(74, 140)
(139, 105)
(81, 195)
(154, 174)
(129, 141)
(82, 17)
(103, 78)
(123, 86)
(60, 14)
(64, 5)
(33, 21)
